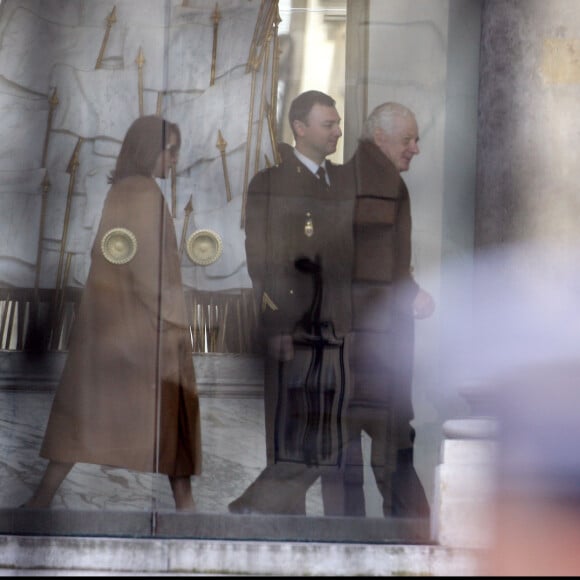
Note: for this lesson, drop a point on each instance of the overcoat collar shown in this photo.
(376, 174)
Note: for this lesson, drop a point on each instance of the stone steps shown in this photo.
(28, 555)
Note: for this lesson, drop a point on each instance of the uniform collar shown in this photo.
(312, 166)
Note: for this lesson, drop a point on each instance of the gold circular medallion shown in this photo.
(204, 247)
(119, 245)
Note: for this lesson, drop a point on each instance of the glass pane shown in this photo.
(117, 292)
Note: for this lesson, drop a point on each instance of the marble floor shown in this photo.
(233, 455)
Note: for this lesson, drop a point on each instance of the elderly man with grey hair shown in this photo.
(385, 300)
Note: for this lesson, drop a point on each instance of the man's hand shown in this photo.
(423, 305)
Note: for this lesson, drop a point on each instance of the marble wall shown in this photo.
(75, 74)
(525, 205)
(527, 179)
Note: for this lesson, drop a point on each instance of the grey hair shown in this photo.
(383, 117)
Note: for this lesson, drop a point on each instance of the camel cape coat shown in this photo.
(127, 396)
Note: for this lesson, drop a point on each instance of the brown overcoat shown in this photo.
(383, 288)
(383, 291)
(127, 396)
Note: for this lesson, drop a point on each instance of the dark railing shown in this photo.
(42, 321)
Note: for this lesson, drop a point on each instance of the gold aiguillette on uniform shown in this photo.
(267, 302)
(308, 225)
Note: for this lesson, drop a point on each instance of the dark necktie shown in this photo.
(322, 175)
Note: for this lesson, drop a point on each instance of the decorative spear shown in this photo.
(216, 20)
(210, 328)
(57, 336)
(7, 320)
(187, 210)
(35, 335)
(140, 62)
(253, 44)
(222, 335)
(160, 96)
(72, 171)
(201, 328)
(263, 22)
(53, 101)
(45, 189)
(111, 19)
(194, 325)
(173, 170)
(276, 64)
(261, 32)
(240, 326)
(254, 67)
(262, 103)
(221, 145)
(272, 131)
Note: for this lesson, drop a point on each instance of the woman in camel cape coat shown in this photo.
(130, 357)
(127, 397)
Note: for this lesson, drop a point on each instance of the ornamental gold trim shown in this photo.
(119, 245)
(204, 247)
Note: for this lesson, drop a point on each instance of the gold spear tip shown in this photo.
(45, 182)
(140, 58)
(189, 207)
(253, 64)
(216, 15)
(74, 160)
(53, 99)
(221, 142)
(112, 18)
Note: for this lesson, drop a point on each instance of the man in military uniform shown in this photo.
(299, 255)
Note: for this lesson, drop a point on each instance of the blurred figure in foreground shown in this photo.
(537, 505)
(519, 338)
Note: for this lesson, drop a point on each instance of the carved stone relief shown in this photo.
(74, 74)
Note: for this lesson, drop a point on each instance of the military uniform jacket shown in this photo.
(292, 215)
(283, 201)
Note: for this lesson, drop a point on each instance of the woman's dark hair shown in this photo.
(144, 141)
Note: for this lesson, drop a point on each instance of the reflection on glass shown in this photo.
(227, 81)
